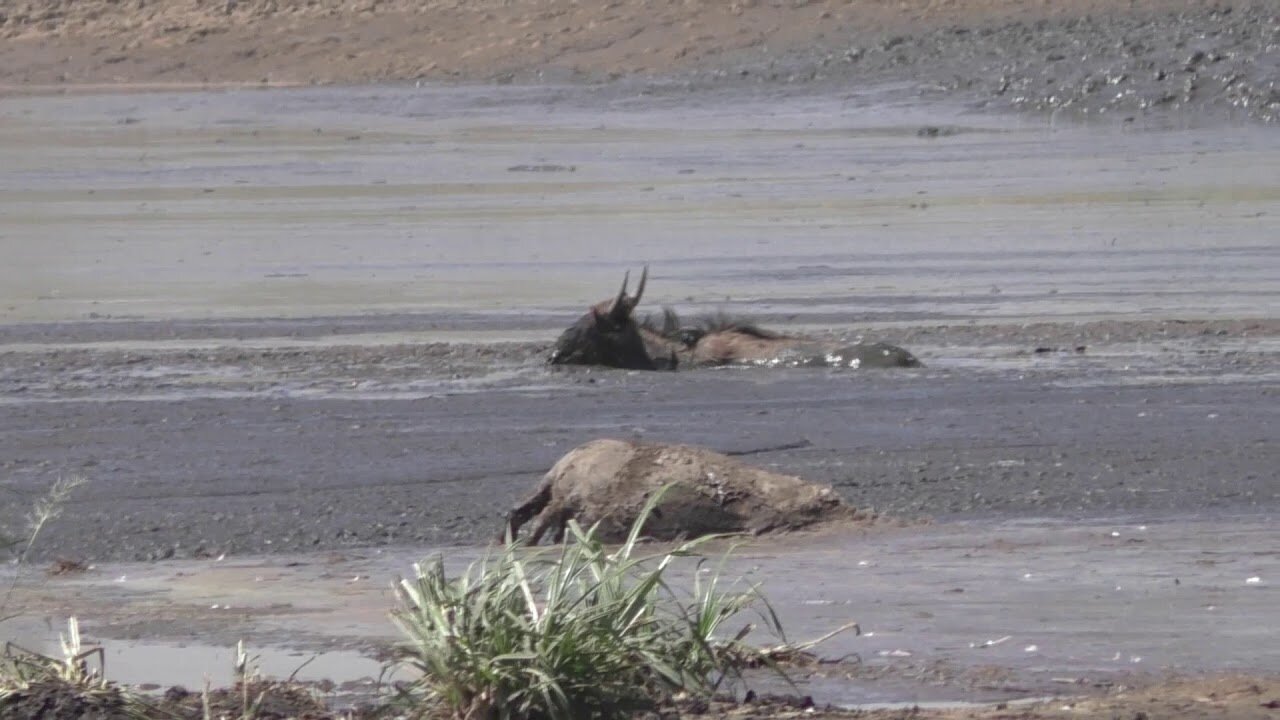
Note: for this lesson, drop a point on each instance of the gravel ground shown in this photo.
(1173, 60)
(1191, 65)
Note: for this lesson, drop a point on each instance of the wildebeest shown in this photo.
(610, 335)
(607, 482)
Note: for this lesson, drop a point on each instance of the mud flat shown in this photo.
(505, 209)
(307, 319)
(309, 326)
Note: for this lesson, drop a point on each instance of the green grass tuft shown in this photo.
(584, 631)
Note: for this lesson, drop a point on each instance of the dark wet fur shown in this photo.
(603, 339)
(671, 328)
(667, 326)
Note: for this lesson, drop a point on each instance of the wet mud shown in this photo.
(1229, 697)
(359, 205)
(318, 319)
(238, 450)
(979, 611)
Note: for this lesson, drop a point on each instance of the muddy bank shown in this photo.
(1170, 58)
(975, 611)
(1236, 697)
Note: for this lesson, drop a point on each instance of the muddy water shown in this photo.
(514, 205)
(956, 612)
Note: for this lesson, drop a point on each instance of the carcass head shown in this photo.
(608, 334)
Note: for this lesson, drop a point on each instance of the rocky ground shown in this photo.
(1087, 57)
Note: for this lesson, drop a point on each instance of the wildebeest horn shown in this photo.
(622, 305)
(620, 302)
(644, 275)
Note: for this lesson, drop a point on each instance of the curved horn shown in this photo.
(620, 302)
(644, 275)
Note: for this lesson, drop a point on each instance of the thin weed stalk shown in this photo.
(46, 508)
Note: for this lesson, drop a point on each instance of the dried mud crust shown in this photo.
(1091, 56)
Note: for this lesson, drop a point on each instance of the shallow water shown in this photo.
(159, 664)
(938, 607)
(513, 203)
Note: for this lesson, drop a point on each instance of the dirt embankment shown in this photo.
(1088, 56)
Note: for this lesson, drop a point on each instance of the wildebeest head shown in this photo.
(608, 335)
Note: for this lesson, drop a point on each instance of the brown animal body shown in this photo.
(608, 482)
(609, 335)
